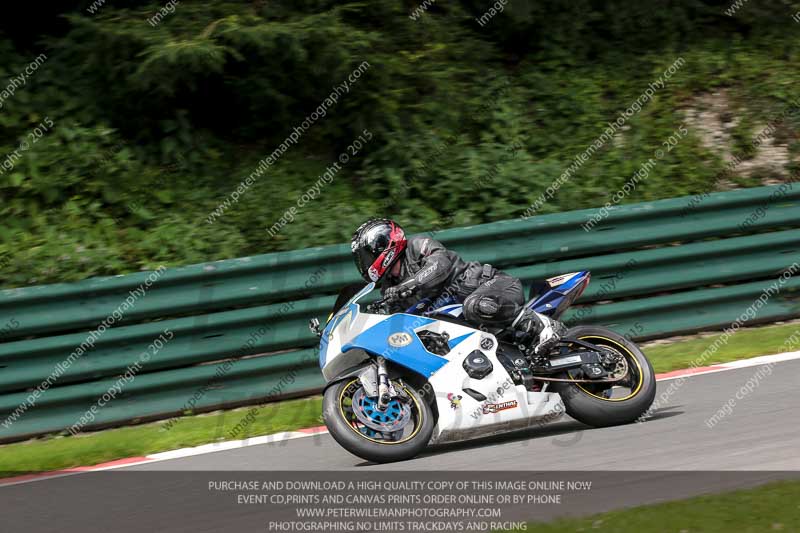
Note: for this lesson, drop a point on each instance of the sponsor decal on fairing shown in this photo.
(497, 407)
(398, 340)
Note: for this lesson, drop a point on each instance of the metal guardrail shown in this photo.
(239, 326)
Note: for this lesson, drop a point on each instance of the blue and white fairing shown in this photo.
(351, 337)
(392, 336)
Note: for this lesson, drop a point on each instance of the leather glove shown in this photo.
(400, 291)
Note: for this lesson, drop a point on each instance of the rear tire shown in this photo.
(588, 406)
(359, 444)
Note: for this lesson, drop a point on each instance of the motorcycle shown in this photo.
(397, 382)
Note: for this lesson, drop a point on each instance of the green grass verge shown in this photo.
(773, 507)
(741, 345)
(53, 453)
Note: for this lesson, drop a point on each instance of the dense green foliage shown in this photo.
(155, 125)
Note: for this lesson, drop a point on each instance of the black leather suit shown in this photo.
(490, 296)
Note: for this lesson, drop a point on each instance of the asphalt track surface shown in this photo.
(762, 433)
(672, 455)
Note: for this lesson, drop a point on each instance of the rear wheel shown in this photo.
(603, 404)
(399, 432)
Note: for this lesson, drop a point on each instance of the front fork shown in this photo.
(375, 380)
(384, 389)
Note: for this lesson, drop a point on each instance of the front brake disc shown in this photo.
(394, 418)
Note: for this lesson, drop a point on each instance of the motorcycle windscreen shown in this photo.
(344, 297)
(349, 294)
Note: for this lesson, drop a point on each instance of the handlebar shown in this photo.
(377, 306)
(381, 301)
(406, 289)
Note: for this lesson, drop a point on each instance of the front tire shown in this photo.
(362, 441)
(597, 405)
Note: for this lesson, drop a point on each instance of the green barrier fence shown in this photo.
(235, 331)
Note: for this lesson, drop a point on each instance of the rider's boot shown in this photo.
(537, 332)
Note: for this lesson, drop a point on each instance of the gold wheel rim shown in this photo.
(633, 358)
(354, 430)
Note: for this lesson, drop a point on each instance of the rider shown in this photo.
(423, 266)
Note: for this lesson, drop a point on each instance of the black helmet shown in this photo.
(377, 244)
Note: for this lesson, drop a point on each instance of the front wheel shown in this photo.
(600, 404)
(399, 432)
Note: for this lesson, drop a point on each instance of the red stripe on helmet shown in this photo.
(397, 243)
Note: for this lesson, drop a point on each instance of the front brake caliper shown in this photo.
(369, 380)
